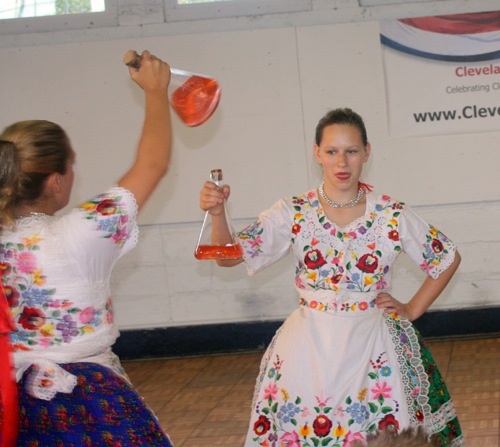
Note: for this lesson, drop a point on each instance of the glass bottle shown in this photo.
(194, 97)
(205, 249)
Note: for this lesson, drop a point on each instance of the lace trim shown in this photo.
(441, 417)
(458, 442)
(407, 349)
(49, 380)
(438, 269)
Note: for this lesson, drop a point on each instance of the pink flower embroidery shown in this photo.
(87, 315)
(351, 438)
(271, 391)
(426, 267)
(290, 440)
(26, 262)
(381, 284)
(258, 241)
(363, 305)
(381, 391)
(120, 237)
(415, 391)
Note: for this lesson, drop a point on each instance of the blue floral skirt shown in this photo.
(103, 410)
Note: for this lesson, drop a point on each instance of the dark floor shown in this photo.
(206, 401)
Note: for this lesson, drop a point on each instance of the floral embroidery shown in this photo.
(42, 319)
(278, 417)
(111, 215)
(436, 249)
(252, 234)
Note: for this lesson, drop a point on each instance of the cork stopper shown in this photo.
(216, 176)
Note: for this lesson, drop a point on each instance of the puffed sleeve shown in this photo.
(101, 230)
(425, 245)
(268, 239)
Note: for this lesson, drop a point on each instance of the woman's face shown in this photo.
(342, 155)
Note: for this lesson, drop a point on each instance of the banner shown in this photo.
(442, 74)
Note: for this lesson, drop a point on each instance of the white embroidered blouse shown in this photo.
(344, 269)
(56, 275)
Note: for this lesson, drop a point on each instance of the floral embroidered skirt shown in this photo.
(103, 410)
(331, 379)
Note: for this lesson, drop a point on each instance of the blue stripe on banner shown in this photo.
(439, 57)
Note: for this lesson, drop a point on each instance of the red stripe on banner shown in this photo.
(8, 386)
(481, 22)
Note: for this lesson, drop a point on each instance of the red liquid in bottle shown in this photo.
(229, 251)
(196, 100)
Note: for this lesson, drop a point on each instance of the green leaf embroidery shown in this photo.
(275, 407)
(372, 375)
(327, 409)
(373, 407)
(265, 410)
(386, 410)
(348, 401)
(326, 441)
(293, 421)
(298, 401)
(315, 441)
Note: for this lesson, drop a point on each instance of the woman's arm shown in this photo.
(153, 152)
(425, 296)
(212, 200)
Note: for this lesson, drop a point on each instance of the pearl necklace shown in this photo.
(31, 214)
(348, 204)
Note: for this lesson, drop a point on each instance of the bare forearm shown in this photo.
(153, 152)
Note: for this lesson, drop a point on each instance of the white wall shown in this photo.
(279, 74)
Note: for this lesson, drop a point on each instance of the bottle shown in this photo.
(194, 97)
(205, 249)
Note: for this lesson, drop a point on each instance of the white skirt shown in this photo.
(329, 379)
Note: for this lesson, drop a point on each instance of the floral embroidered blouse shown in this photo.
(56, 275)
(344, 269)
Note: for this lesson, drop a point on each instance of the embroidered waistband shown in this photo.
(343, 302)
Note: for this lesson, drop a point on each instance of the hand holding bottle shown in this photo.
(212, 198)
(153, 75)
(218, 238)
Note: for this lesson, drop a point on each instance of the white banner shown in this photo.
(442, 74)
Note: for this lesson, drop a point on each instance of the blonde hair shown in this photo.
(29, 152)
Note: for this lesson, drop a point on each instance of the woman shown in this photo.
(72, 389)
(348, 361)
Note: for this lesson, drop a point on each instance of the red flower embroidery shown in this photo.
(336, 278)
(367, 263)
(322, 425)
(107, 207)
(389, 423)
(314, 259)
(5, 268)
(262, 426)
(32, 318)
(295, 228)
(394, 235)
(437, 246)
(12, 295)
(420, 416)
